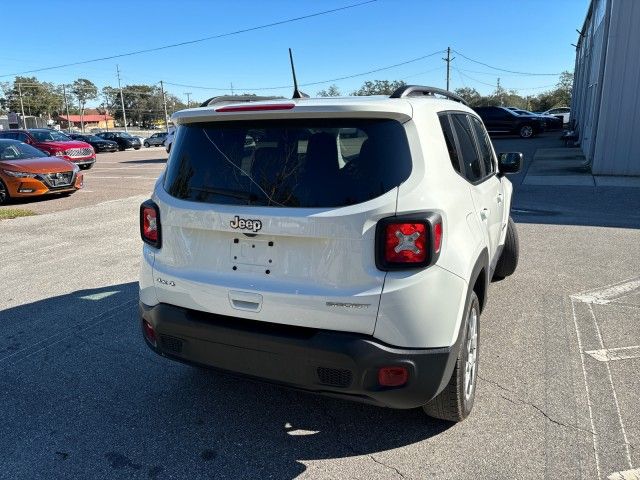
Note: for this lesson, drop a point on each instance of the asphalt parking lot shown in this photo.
(81, 396)
(113, 176)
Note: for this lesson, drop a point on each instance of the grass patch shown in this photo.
(8, 213)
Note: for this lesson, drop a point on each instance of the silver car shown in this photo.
(155, 140)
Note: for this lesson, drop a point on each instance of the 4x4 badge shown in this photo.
(237, 222)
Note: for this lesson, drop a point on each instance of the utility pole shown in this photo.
(164, 103)
(24, 123)
(499, 91)
(448, 60)
(188, 94)
(106, 111)
(231, 88)
(124, 115)
(66, 105)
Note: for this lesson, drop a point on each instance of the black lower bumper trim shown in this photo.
(334, 363)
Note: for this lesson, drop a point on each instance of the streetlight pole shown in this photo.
(164, 103)
(124, 115)
(24, 122)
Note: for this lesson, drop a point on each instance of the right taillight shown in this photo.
(150, 229)
(409, 241)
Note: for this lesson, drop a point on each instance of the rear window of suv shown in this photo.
(288, 163)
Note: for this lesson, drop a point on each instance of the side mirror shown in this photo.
(510, 162)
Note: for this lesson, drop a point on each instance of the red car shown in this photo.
(56, 144)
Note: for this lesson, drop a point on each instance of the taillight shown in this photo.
(409, 241)
(150, 229)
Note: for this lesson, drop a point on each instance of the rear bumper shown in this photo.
(333, 363)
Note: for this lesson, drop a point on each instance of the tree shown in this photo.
(331, 91)
(379, 87)
(38, 98)
(83, 90)
(470, 95)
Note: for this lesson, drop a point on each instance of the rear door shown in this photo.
(479, 170)
(275, 220)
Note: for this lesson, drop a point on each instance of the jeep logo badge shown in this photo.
(248, 224)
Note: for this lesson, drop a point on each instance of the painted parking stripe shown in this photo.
(610, 354)
(609, 294)
(121, 177)
(626, 475)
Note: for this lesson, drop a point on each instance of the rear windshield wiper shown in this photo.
(249, 197)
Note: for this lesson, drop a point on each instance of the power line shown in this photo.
(495, 85)
(505, 70)
(347, 77)
(191, 42)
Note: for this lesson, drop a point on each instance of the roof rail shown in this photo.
(417, 90)
(226, 99)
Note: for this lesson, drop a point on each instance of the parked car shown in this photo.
(561, 112)
(155, 140)
(123, 139)
(169, 140)
(98, 144)
(501, 120)
(551, 122)
(26, 171)
(56, 144)
(321, 264)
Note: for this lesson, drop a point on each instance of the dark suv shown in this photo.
(502, 120)
(123, 139)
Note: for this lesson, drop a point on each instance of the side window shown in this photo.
(468, 152)
(484, 147)
(450, 141)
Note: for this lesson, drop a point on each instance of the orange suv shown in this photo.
(26, 172)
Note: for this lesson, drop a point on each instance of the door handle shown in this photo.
(499, 198)
(484, 213)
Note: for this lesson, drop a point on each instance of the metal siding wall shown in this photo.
(617, 149)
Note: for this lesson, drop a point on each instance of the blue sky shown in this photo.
(520, 35)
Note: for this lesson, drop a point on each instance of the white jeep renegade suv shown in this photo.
(341, 246)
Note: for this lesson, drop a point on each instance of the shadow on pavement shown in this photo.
(151, 160)
(83, 397)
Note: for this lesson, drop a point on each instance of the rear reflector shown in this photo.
(393, 376)
(150, 229)
(149, 332)
(256, 108)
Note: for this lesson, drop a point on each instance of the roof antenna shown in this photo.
(296, 93)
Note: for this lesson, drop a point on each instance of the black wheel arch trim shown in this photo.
(482, 262)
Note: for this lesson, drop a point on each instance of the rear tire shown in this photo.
(508, 261)
(4, 194)
(455, 402)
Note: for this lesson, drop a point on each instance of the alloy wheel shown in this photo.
(471, 362)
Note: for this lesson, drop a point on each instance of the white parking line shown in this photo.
(613, 390)
(608, 294)
(586, 386)
(626, 475)
(121, 177)
(620, 353)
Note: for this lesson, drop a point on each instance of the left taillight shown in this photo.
(150, 229)
(408, 241)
